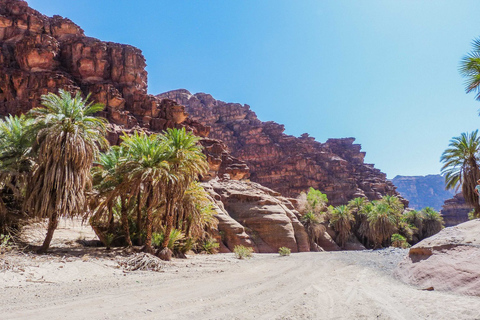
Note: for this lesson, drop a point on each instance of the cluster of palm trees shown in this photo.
(373, 223)
(51, 158)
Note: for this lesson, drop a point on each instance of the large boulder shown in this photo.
(269, 220)
(449, 260)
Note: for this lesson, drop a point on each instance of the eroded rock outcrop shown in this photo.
(282, 162)
(269, 221)
(449, 260)
(455, 210)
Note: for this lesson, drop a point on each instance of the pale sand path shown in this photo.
(336, 285)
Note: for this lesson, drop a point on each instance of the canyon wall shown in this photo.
(423, 191)
(283, 162)
(39, 54)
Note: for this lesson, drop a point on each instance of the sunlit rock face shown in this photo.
(282, 162)
(39, 54)
(258, 216)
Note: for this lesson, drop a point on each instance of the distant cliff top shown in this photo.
(423, 191)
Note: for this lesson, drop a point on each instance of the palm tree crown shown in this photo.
(470, 69)
(460, 166)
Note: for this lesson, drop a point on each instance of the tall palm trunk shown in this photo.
(126, 229)
(164, 252)
(149, 225)
(139, 219)
(52, 225)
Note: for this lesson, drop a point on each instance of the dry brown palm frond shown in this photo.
(142, 261)
(59, 181)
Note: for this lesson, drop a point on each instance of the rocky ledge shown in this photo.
(283, 162)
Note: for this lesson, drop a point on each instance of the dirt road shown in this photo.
(339, 285)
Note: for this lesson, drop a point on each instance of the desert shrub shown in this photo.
(109, 237)
(471, 215)
(284, 251)
(210, 246)
(242, 252)
(175, 236)
(4, 242)
(399, 241)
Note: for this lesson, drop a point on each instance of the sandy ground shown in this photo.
(87, 283)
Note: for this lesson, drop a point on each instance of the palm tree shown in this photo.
(68, 139)
(470, 69)
(106, 178)
(394, 203)
(312, 222)
(16, 163)
(460, 166)
(341, 220)
(432, 222)
(146, 174)
(415, 220)
(382, 222)
(187, 162)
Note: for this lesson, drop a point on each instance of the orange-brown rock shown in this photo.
(269, 220)
(285, 163)
(455, 210)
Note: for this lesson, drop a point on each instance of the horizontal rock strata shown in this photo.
(282, 162)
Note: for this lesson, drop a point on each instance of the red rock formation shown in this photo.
(282, 162)
(455, 210)
(39, 54)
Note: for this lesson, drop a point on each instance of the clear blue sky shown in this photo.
(384, 72)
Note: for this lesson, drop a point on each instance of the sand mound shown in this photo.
(449, 260)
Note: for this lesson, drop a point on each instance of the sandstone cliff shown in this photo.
(39, 54)
(282, 162)
(423, 191)
(455, 210)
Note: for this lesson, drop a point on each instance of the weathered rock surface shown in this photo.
(449, 260)
(423, 191)
(455, 210)
(39, 54)
(282, 162)
(269, 220)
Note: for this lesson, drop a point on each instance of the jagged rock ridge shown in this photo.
(423, 191)
(282, 162)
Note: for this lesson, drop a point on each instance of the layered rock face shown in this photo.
(39, 54)
(455, 210)
(423, 191)
(285, 163)
(269, 220)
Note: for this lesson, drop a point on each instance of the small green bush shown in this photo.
(4, 242)
(210, 246)
(399, 241)
(284, 251)
(109, 237)
(242, 252)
